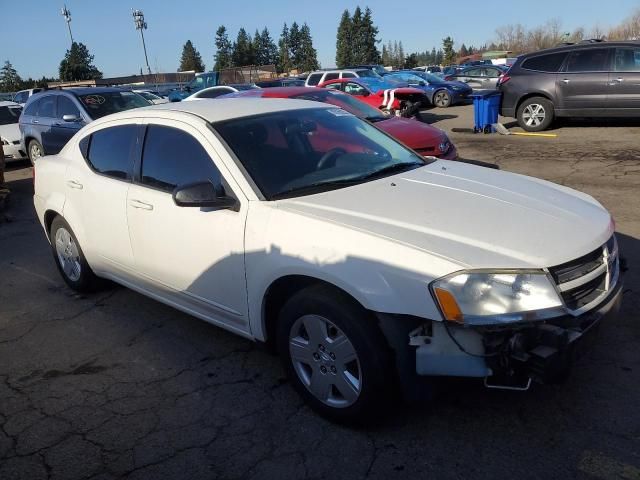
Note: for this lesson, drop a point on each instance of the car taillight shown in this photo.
(503, 79)
(448, 78)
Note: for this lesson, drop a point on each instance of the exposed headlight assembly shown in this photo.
(478, 298)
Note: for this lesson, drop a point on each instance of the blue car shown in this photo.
(202, 81)
(50, 118)
(441, 93)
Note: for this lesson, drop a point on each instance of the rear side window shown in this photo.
(32, 108)
(348, 75)
(110, 151)
(627, 60)
(591, 60)
(47, 107)
(172, 157)
(331, 76)
(545, 63)
(314, 79)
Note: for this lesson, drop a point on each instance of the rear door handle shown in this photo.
(616, 81)
(34, 121)
(74, 184)
(566, 81)
(140, 205)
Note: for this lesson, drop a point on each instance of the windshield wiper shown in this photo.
(315, 188)
(376, 118)
(396, 167)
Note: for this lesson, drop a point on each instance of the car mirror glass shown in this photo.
(70, 118)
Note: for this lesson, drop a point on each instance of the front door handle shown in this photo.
(566, 81)
(140, 205)
(74, 184)
(616, 81)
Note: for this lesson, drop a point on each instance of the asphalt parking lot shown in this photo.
(116, 385)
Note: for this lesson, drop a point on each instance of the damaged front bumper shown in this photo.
(509, 356)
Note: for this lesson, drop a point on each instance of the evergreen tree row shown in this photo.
(356, 39)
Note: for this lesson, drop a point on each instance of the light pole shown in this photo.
(67, 16)
(138, 19)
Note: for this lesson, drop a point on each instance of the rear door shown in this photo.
(43, 124)
(624, 81)
(62, 130)
(583, 85)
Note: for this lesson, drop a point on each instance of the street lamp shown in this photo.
(138, 19)
(66, 13)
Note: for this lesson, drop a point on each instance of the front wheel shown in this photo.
(334, 355)
(442, 99)
(535, 114)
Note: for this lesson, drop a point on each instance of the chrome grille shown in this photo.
(585, 281)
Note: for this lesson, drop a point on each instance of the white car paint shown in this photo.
(383, 242)
(10, 136)
(333, 74)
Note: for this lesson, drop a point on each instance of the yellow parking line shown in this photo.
(606, 468)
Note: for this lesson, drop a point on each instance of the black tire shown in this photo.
(376, 376)
(535, 114)
(33, 147)
(441, 99)
(86, 280)
(410, 109)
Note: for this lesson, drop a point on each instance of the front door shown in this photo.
(194, 255)
(583, 85)
(62, 130)
(44, 121)
(624, 81)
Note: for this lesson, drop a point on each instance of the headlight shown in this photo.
(456, 88)
(444, 145)
(498, 297)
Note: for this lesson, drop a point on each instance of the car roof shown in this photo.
(277, 92)
(215, 111)
(580, 45)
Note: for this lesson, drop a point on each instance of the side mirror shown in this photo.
(202, 194)
(71, 118)
(421, 83)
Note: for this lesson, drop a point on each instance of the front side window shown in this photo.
(355, 89)
(590, 60)
(100, 104)
(172, 157)
(474, 72)
(47, 107)
(314, 79)
(109, 151)
(9, 115)
(334, 86)
(545, 63)
(627, 60)
(67, 107)
(324, 149)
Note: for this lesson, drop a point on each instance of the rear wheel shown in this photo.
(69, 258)
(35, 151)
(535, 114)
(334, 355)
(442, 99)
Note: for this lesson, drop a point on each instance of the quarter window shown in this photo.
(627, 60)
(590, 60)
(172, 157)
(32, 108)
(110, 151)
(545, 63)
(47, 107)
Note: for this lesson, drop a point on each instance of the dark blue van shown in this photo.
(50, 118)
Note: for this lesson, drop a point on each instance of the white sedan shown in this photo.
(369, 268)
(10, 131)
(214, 92)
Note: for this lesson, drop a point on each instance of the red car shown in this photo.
(390, 96)
(424, 139)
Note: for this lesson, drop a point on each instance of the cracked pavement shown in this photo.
(116, 385)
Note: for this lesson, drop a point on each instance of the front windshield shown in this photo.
(9, 115)
(245, 86)
(428, 77)
(100, 104)
(344, 101)
(148, 95)
(306, 151)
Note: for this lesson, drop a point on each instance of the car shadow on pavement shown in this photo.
(426, 116)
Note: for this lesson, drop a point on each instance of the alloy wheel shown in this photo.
(325, 361)
(68, 254)
(442, 99)
(534, 114)
(35, 151)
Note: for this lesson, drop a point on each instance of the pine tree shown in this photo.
(243, 50)
(270, 50)
(284, 58)
(463, 52)
(190, 59)
(258, 49)
(400, 55)
(343, 41)
(294, 45)
(222, 58)
(307, 54)
(386, 58)
(434, 57)
(357, 37)
(439, 57)
(10, 81)
(369, 33)
(411, 61)
(449, 53)
(77, 64)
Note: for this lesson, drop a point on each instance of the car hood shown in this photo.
(10, 132)
(473, 216)
(414, 134)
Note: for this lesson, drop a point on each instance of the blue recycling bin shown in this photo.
(486, 106)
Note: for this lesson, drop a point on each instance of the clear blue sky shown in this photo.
(34, 34)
